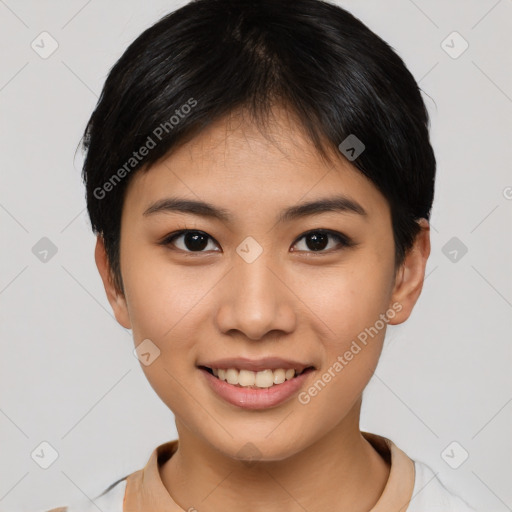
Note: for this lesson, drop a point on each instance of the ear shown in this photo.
(115, 297)
(410, 276)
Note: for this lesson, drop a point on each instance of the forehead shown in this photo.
(235, 162)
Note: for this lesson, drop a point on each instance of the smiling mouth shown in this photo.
(255, 380)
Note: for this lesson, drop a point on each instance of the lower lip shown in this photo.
(249, 398)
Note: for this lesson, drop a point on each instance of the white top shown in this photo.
(430, 495)
(143, 490)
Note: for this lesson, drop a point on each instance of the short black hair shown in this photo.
(211, 58)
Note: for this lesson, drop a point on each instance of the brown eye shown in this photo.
(317, 241)
(189, 241)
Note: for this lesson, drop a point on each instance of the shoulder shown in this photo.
(110, 500)
(430, 495)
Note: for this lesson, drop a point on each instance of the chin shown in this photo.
(258, 447)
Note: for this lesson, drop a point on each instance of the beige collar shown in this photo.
(145, 490)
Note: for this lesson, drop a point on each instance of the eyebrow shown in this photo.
(341, 204)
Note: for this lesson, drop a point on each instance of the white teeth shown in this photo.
(279, 376)
(289, 374)
(247, 378)
(232, 376)
(265, 379)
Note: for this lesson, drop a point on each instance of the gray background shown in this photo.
(68, 375)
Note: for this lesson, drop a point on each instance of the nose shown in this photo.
(256, 300)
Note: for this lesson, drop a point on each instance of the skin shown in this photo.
(290, 302)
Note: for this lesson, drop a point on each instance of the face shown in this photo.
(252, 282)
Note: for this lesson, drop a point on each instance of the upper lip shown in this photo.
(256, 365)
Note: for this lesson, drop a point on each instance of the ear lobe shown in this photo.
(411, 275)
(116, 299)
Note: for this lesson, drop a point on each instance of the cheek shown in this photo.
(164, 305)
(352, 345)
(352, 309)
(349, 301)
(161, 298)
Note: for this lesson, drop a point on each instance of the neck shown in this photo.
(342, 467)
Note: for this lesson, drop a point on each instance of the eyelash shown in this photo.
(343, 240)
